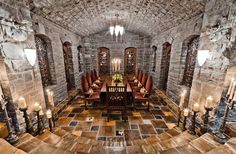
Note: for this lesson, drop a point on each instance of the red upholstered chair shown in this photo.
(140, 75)
(136, 76)
(143, 82)
(90, 82)
(144, 97)
(116, 99)
(89, 96)
(93, 77)
(95, 74)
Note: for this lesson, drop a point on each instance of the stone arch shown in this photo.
(154, 53)
(68, 63)
(45, 59)
(165, 62)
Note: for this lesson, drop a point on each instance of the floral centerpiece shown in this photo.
(117, 77)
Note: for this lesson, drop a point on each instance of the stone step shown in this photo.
(204, 143)
(33, 145)
(6, 148)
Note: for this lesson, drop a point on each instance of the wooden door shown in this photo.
(104, 61)
(130, 61)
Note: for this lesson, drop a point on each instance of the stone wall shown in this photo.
(176, 37)
(17, 77)
(103, 39)
(217, 35)
(58, 36)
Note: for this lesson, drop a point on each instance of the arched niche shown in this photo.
(68, 63)
(103, 60)
(189, 51)
(45, 59)
(154, 56)
(130, 60)
(165, 62)
(80, 59)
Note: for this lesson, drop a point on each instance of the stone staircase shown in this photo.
(173, 141)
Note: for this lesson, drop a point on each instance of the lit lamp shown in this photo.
(202, 56)
(196, 108)
(186, 113)
(208, 107)
(31, 57)
(23, 108)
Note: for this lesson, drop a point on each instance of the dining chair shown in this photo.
(116, 99)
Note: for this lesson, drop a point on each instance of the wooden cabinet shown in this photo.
(104, 61)
(130, 60)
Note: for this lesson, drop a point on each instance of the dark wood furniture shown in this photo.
(144, 97)
(116, 99)
(130, 61)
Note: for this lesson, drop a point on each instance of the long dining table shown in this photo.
(108, 81)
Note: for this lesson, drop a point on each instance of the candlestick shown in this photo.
(209, 102)
(230, 87)
(232, 91)
(196, 107)
(49, 114)
(50, 98)
(29, 128)
(179, 116)
(186, 113)
(39, 127)
(192, 127)
(204, 129)
(22, 103)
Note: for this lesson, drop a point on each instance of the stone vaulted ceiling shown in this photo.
(149, 17)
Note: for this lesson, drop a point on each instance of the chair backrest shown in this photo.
(137, 73)
(92, 76)
(89, 79)
(116, 95)
(140, 75)
(144, 79)
(95, 74)
(149, 83)
(84, 83)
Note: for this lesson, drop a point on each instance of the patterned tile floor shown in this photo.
(93, 123)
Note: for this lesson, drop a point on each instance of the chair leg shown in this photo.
(108, 114)
(86, 108)
(148, 106)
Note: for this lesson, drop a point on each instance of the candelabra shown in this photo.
(220, 135)
(204, 129)
(39, 127)
(51, 107)
(29, 128)
(192, 127)
(12, 138)
(179, 116)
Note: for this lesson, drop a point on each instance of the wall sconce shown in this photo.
(31, 57)
(202, 56)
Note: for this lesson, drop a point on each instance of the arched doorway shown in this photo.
(165, 62)
(45, 59)
(104, 61)
(68, 62)
(130, 60)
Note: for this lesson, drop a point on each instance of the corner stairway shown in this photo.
(173, 141)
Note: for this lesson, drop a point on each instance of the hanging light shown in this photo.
(112, 28)
(117, 29)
